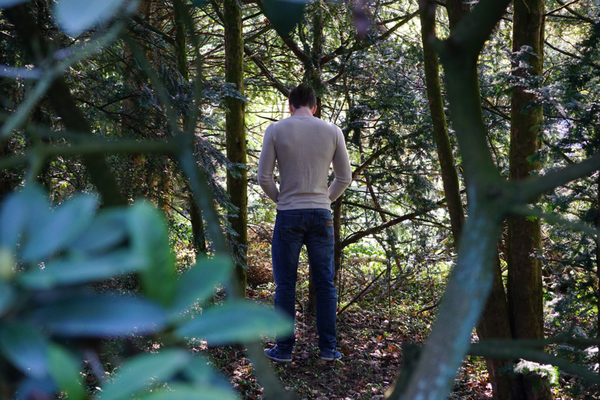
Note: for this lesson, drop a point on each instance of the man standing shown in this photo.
(304, 148)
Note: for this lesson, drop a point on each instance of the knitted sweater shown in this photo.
(304, 149)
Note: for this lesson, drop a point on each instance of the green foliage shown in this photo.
(49, 258)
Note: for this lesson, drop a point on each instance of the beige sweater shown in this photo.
(304, 148)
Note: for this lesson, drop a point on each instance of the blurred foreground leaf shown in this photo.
(100, 316)
(284, 15)
(199, 282)
(64, 369)
(76, 16)
(139, 372)
(234, 322)
(25, 347)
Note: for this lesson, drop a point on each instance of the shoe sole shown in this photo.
(283, 360)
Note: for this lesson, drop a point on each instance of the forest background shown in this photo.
(168, 101)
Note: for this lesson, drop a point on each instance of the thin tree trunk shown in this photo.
(438, 117)
(597, 225)
(180, 39)
(525, 292)
(314, 77)
(237, 182)
(198, 234)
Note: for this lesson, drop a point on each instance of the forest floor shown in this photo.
(372, 329)
(370, 341)
(374, 326)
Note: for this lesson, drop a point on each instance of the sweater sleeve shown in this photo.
(341, 168)
(266, 165)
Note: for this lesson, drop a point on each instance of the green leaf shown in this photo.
(180, 391)
(107, 230)
(7, 264)
(150, 239)
(64, 369)
(26, 348)
(100, 316)
(60, 229)
(20, 211)
(284, 15)
(11, 3)
(7, 296)
(139, 372)
(71, 272)
(236, 321)
(202, 374)
(199, 282)
(76, 16)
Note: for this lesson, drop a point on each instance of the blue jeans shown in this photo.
(313, 228)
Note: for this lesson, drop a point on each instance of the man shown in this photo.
(304, 147)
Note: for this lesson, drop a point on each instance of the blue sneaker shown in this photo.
(275, 355)
(331, 355)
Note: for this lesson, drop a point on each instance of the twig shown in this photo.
(359, 295)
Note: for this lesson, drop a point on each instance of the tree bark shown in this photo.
(180, 39)
(597, 225)
(313, 75)
(237, 182)
(525, 292)
(438, 120)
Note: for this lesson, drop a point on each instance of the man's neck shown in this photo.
(302, 112)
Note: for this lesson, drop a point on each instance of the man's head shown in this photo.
(303, 96)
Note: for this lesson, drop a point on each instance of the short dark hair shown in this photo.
(302, 96)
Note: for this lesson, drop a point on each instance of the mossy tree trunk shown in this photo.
(438, 119)
(237, 182)
(525, 292)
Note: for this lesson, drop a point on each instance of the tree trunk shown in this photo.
(237, 183)
(180, 40)
(597, 225)
(494, 321)
(313, 75)
(197, 222)
(525, 292)
(438, 119)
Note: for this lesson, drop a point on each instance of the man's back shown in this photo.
(304, 148)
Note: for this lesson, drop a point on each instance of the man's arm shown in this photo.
(341, 168)
(266, 165)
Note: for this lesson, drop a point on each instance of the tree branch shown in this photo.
(359, 235)
(529, 189)
(369, 161)
(364, 44)
(575, 13)
(274, 81)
